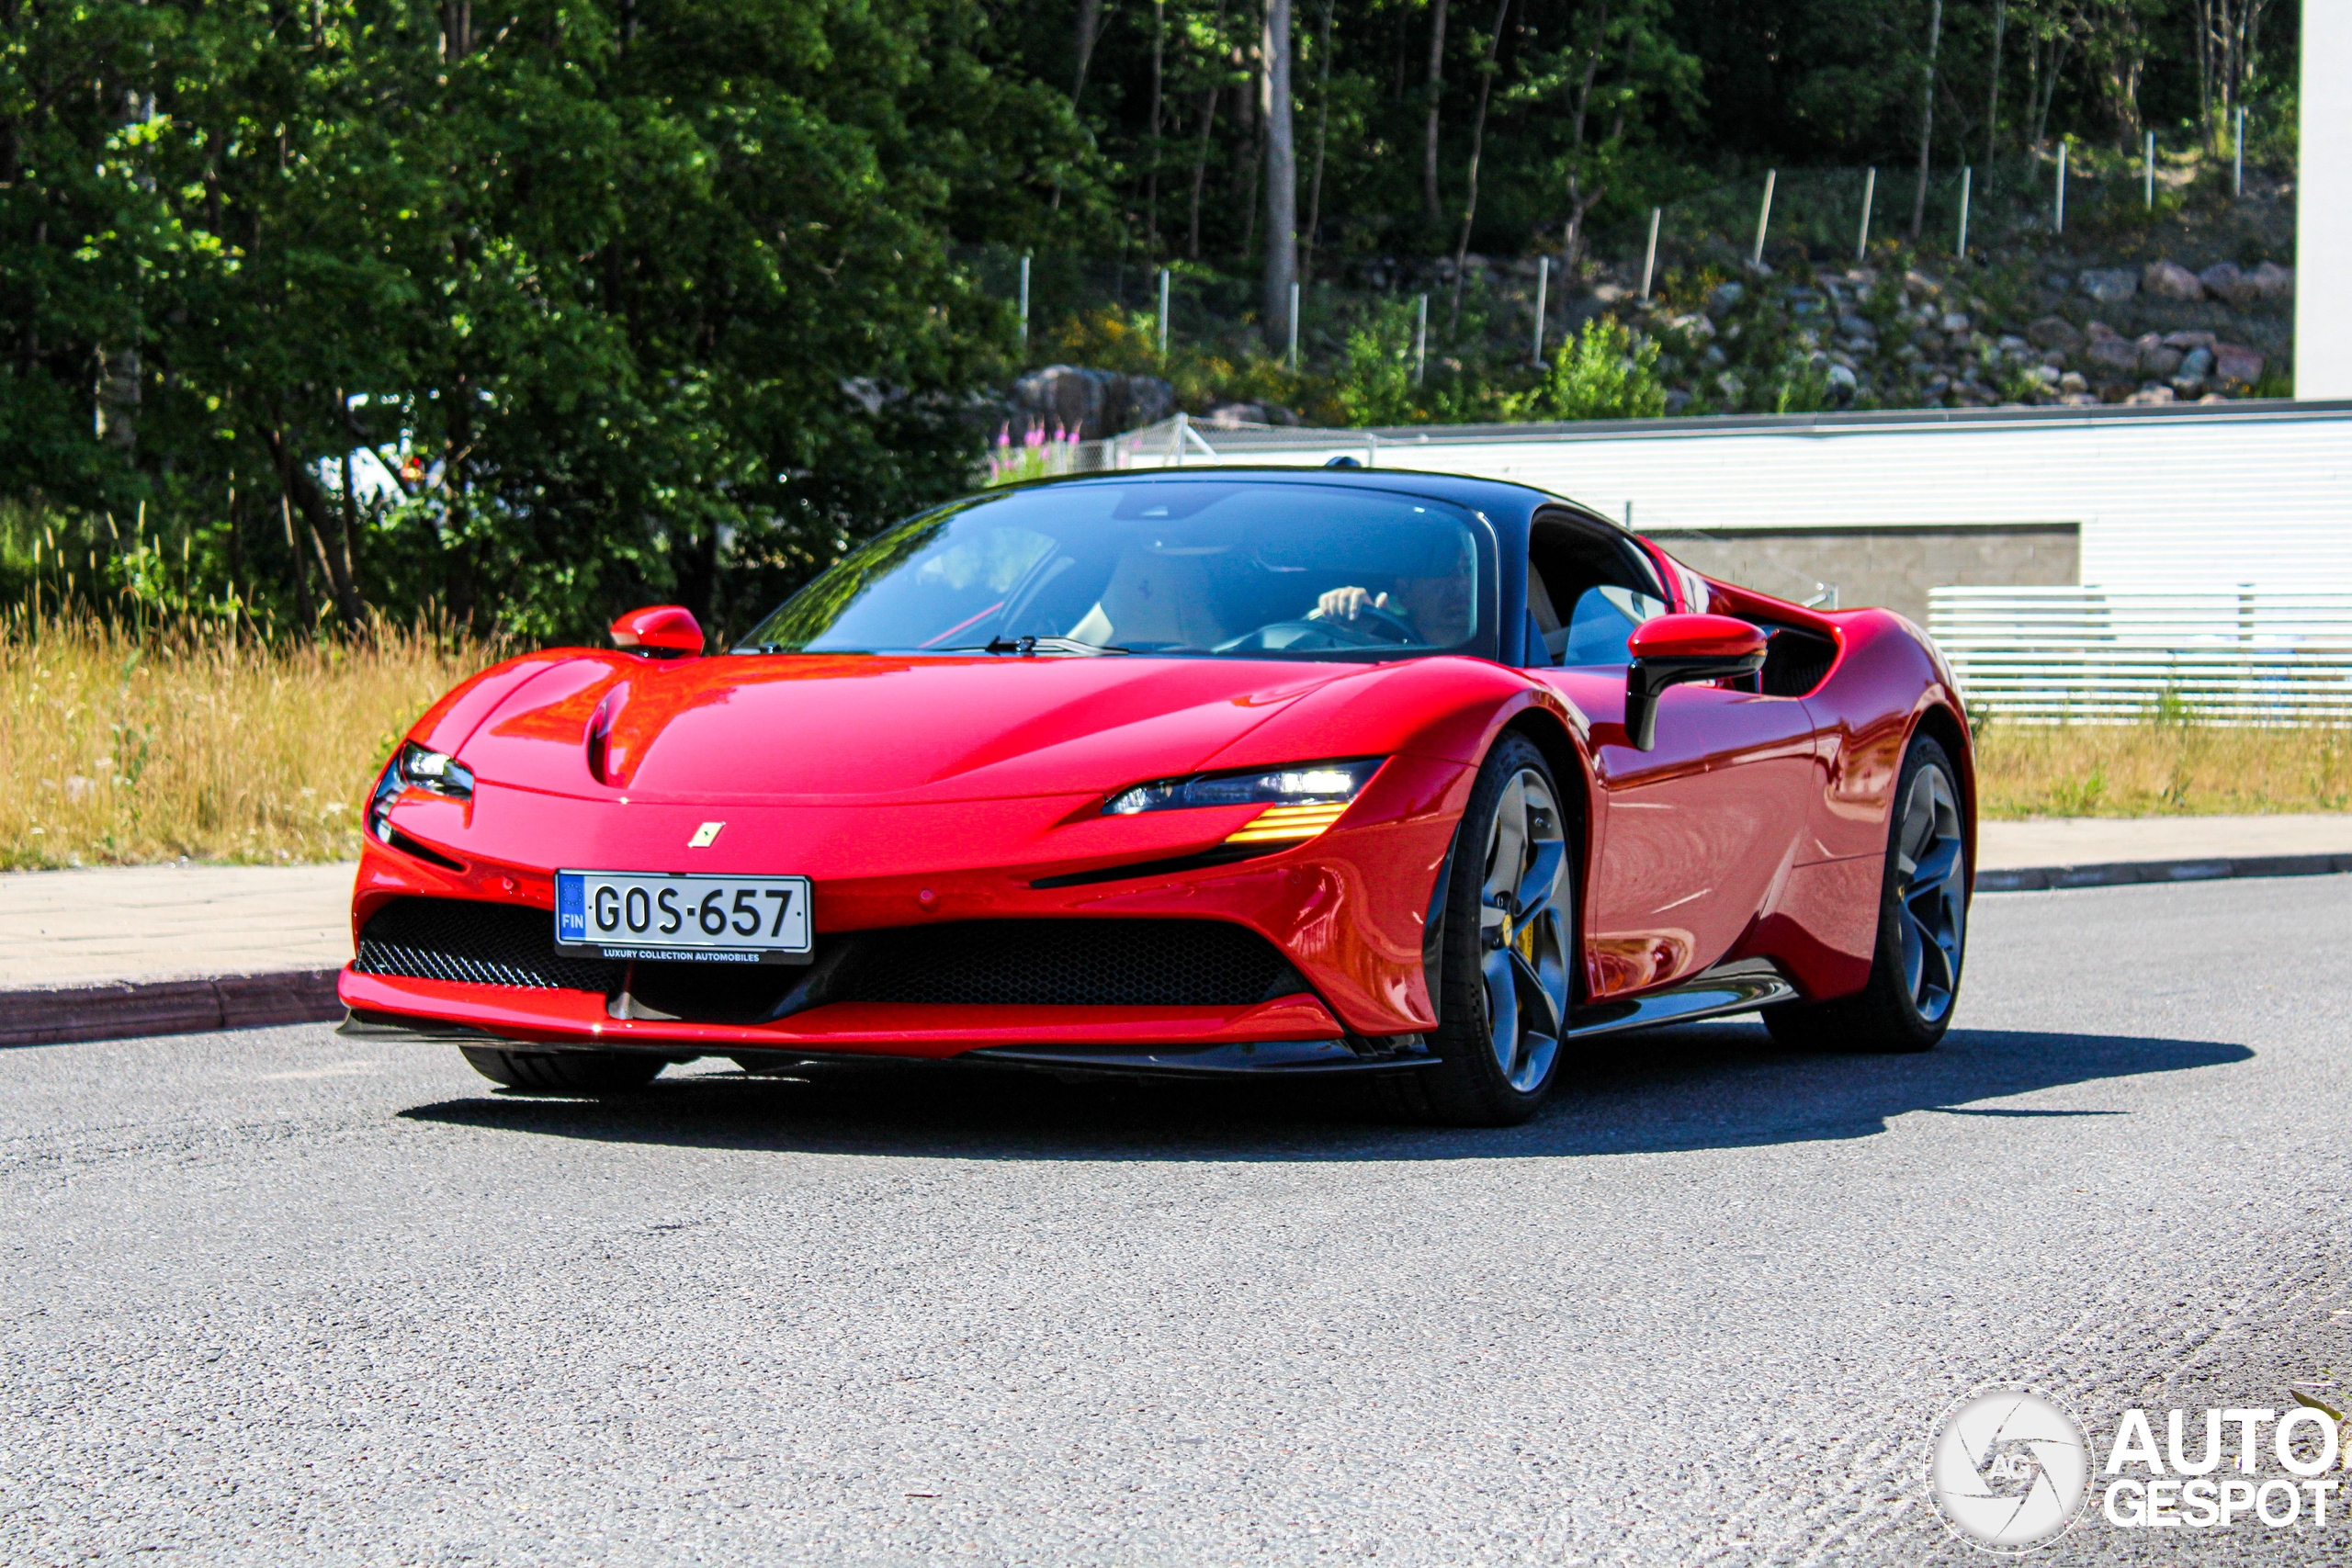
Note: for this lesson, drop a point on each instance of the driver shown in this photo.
(1433, 606)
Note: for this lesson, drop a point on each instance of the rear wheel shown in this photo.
(1922, 927)
(582, 1073)
(1506, 940)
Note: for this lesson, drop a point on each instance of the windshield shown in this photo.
(1193, 567)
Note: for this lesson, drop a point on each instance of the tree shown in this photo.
(1282, 175)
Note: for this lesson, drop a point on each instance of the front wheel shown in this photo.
(1507, 940)
(1922, 927)
(582, 1073)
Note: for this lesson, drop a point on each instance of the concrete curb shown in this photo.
(57, 1017)
(2119, 873)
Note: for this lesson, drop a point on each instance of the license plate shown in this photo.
(710, 919)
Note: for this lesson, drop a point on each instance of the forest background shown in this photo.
(509, 316)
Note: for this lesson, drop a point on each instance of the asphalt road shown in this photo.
(279, 1296)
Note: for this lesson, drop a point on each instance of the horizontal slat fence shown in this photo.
(2095, 655)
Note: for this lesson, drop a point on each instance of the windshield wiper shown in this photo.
(1032, 644)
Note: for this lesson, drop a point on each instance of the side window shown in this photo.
(1589, 587)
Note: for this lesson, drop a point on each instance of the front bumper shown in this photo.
(1346, 910)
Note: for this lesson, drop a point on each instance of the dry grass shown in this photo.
(2160, 770)
(118, 748)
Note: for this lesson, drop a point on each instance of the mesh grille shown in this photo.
(476, 943)
(1070, 963)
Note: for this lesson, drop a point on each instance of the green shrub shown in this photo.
(1605, 372)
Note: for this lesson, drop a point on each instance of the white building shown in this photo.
(1883, 506)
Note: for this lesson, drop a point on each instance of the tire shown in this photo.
(1922, 927)
(1506, 943)
(583, 1073)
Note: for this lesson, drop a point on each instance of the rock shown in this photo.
(2185, 341)
(2235, 364)
(1854, 325)
(2212, 398)
(1936, 387)
(2164, 364)
(1677, 400)
(2056, 358)
(1715, 355)
(2113, 353)
(2009, 343)
(1093, 403)
(2054, 332)
(1732, 389)
(2100, 329)
(2224, 282)
(2072, 381)
(1233, 416)
(2272, 281)
(2197, 364)
(1952, 321)
(1842, 381)
(2151, 394)
(1724, 296)
(2108, 285)
(1606, 293)
(1694, 324)
(2187, 389)
(1921, 284)
(2170, 280)
(2078, 399)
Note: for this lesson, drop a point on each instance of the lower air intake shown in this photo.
(1069, 964)
(476, 943)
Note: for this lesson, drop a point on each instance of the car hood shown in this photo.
(829, 728)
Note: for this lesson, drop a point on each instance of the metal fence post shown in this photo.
(1649, 258)
(2058, 222)
(1870, 195)
(1167, 276)
(2237, 156)
(2148, 173)
(1025, 302)
(1967, 174)
(1764, 215)
(1420, 338)
(1293, 326)
(1543, 277)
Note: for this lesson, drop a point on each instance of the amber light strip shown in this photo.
(1288, 822)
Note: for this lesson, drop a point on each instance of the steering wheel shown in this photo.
(1321, 631)
(1387, 626)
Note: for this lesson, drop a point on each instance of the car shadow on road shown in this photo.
(1670, 1090)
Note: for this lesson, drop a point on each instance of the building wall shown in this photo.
(2246, 492)
(1889, 566)
(2323, 205)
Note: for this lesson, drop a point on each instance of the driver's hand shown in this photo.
(1346, 604)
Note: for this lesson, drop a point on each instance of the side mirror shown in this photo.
(659, 631)
(1668, 651)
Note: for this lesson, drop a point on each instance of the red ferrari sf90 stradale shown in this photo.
(1277, 772)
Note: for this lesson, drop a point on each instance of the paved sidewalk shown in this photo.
(2100, 840)
(169, 923)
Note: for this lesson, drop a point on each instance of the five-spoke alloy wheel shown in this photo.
(1922, 926)
(1507, 931)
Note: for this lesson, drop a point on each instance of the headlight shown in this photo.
(1300, 800)
(414, 767)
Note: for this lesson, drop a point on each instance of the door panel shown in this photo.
(1697, 836)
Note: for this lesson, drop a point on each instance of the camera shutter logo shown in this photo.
(2011, 1470)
